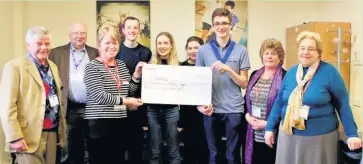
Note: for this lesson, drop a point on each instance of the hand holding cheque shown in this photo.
(130, 102)
(219, 66)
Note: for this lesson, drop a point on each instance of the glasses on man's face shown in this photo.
(223, 24)
(308, 49)
(79, 33)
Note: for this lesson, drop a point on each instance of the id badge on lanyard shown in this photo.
(118, 85)
(53, 100)
(52, 97)
(304, 109)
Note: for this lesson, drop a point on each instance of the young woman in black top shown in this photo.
(191, 120)
(163, 118)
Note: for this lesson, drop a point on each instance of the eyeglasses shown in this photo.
(79, 33)
(309, 49)
(223, 24)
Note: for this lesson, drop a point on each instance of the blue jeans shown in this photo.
(168, 118)
(213, 128)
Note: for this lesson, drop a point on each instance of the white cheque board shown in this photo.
(184, 85)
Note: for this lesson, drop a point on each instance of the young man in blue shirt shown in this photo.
(230, 64)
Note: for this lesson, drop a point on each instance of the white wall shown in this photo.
(176, 17)
(6, 33)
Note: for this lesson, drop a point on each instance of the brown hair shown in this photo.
(130, 18)
(274, 44)
(222, 12)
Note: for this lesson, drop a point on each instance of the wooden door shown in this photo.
(291, 57)
(329, 35)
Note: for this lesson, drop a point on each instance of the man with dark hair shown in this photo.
(131, 52)
(229, 5)
(230, 64)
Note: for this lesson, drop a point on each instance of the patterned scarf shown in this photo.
(275, 86)
(292, 117)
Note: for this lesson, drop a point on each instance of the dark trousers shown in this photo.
(108, 150)
(214, 125)
(195, 143)
(135, 143)
(263, 154)
(76, 140)
(157, 119)
(107, 141)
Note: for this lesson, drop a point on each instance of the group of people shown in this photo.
(74, 93)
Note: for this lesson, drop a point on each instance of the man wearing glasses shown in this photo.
(230, 64)
(71, 60)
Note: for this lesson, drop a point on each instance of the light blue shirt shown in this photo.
(77, 63)
(226, 94)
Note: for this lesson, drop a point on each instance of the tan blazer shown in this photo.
(22, 102)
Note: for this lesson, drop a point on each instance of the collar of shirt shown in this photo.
(228, 43)
(44, 67)
(74, 49)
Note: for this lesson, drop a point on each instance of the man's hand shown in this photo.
(19, 145)
(206, 109)
(218, 65)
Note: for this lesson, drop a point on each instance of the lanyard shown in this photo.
(115, 76)
(46, 75)
(218, 55)
(306, 87)
(76, 65)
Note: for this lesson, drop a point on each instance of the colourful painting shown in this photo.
(203, 19)
(115, 12)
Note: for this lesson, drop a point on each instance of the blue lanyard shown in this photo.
(76, 65)
(46, 75)
(218, 55)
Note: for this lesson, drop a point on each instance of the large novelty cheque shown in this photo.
(184, 85)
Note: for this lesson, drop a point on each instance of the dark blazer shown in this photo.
(61, 56)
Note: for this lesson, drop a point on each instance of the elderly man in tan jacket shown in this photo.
(31, 110)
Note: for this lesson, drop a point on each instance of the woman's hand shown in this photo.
(132, 102)
(257, 124)
(138, 70)
(260, 124)
(251, 120)
(354, 143)
(270, 138)
(206, 109)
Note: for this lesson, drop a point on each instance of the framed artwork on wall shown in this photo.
(203, 19)
(114, 13)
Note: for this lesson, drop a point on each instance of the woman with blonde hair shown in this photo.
(261, 93)
(164, 115)
(310, 95)
(108, 85)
